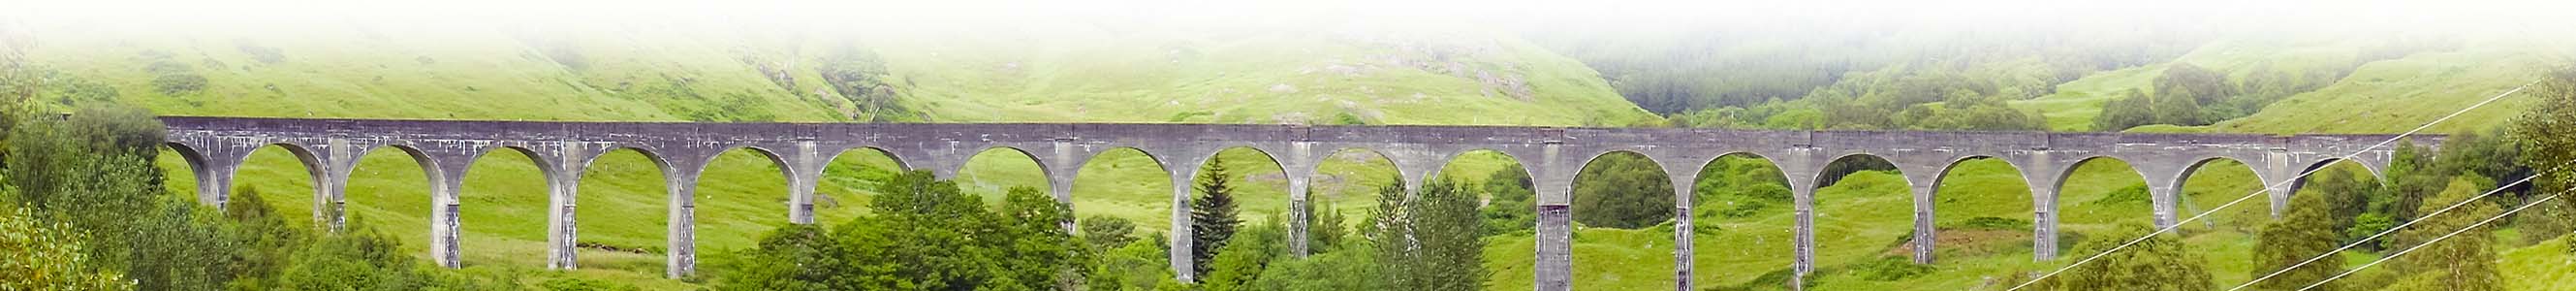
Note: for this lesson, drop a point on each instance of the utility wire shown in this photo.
(2301, 175)
(2390, 230)
(2480, 223)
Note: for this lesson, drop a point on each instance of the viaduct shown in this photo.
(215, 146)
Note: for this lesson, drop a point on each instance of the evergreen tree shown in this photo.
(1328, 231)
(1212, 216)
(1431, 242)
(2305, 232)
(1242, 261)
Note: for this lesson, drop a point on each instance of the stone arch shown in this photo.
(2194, 168)
(1589, 161)
(317, 174)
(195, 158)
(2321, 164)
(1849, 222)
(480, 218)
(428, 165)
(660, 162)
(1034, 159)
(1767, 245)
(609, 200)
(1821, 181)
(1938, 212)
(2069, 170)
(2310, 172)
(1440, 166)
(1371, 155)
(1275, 165)
(900, 163)
(786, 169)
(1265, 154)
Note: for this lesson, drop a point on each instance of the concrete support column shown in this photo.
(1298, 166)
(681, 239)
(562, 234)
(1554, 185)
(1805, 246)
(1181, 234)
(331, 198)
(1060, 186)
(1555, 267)
(804, 170)
(1301, 216)
(1683, 253)
(443, 210)
(215, 181)
(2044, 223)
(2166, 196)
(1926, 235)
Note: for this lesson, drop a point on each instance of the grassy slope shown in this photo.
(383, 72)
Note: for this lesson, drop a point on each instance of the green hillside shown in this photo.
(1134, 72)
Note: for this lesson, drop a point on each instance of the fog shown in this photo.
(1577, 17)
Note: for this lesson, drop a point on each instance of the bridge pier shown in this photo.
(563, 192)
(1555, 269)
(1683, 200)
(1805, 243)
(331, 189)
(2165, 194)
(1926, 234)
(1182, 236)
(2043, 223)
(681, 178)
(804, 169)
(444, 227)
(1299, 168)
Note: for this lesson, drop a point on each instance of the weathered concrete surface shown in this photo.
(215, 146)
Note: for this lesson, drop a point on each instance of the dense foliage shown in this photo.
(1623, 190)
(923, 235)
(1431, 242)
(2306, 232)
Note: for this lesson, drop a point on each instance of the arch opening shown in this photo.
(994, 171)
(621, 211)
(1123, 206)
(1498, 191)
(1742, 219)
(503, 209)
(2095, 195)
(741, 194)
(388, 192)
(1623, 205)
(179, 165)
(849, 179)
(1863, 216)
(1983, 213)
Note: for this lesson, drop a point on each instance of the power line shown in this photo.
(2394, 229)
(2480, 223)
(2301, 175)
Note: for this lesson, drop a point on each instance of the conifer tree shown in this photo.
(1212, 216)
